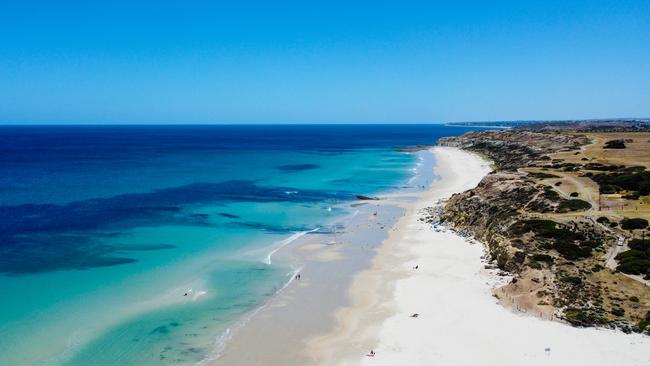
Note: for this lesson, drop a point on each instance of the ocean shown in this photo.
(141, 245)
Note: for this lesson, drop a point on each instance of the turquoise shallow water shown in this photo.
(104, 230)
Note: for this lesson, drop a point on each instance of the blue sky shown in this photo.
(322, 61)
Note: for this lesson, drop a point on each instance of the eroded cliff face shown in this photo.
(511, 150)
(532, 229)
(487, 212)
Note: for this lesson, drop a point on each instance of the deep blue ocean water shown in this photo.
(104, 228)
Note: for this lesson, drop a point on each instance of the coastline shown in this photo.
(546, 217)
(374, 292)
(459, 322)
(327, 260)
(360, 289)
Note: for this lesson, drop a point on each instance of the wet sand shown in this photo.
(277, 334)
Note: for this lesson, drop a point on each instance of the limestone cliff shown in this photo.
(547, 238)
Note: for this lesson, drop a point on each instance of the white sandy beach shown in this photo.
(459, 321)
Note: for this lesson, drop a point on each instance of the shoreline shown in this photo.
(359, 294)
(328, 261)
(459, 322)
(373, 291)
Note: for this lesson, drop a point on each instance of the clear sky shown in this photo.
(322, 61)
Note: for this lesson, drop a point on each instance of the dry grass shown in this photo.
(636, 153)
(619, 291)
(530, 294)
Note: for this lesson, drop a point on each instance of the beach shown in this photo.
(307, 258)
(325, 183)
(327, 261)
(163, 259)
(458, 320)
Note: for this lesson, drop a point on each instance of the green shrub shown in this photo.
(542, 258)
(502, 260)
(534, 264)
(574, 280)
(550, 193)
(571, 251)
(614, 144)
(590, 243)
(633, 179)
(609, 189)
(644, 325)
(601, 167)
(582, 317)
(639, 244)
(573, 205)
(556, 236)
(633, 224)
(534, 225)
(635, 266)
(602, 220)
(542, 175)
(631, 197)
(597, 268)
(548, 229)
(618, 312)
(631, 254)
(635, 261)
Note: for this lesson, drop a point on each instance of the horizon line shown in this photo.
(641, 119)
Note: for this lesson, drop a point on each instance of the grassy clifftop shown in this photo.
(552, 213)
